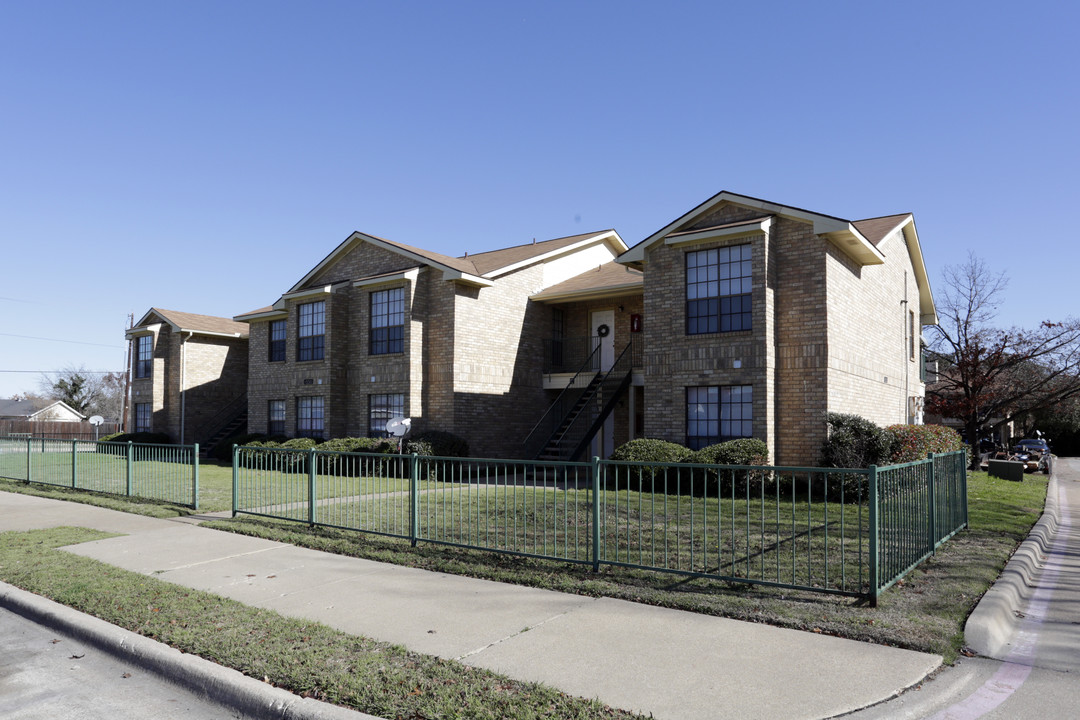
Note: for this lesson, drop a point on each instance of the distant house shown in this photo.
(32, 410)
(188, 375)
(740, 318)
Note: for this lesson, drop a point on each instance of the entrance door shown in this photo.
(603, 328)
(602, 323)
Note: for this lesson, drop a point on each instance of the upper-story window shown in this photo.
(311, 331)
(718, 285)
(277, 341)
(144, 356)
(387, 321)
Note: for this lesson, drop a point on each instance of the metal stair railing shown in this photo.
(585, 426)
(548, 424)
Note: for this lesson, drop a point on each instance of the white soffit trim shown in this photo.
(841, 232)
(927, 307)
(410, 275)
(268, 315)
(730, 232)
(609, 237)
(591, 294)
(310, 292)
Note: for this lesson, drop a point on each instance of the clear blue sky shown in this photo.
(203, 156)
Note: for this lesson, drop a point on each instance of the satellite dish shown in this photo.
(97, 420)
(398, 426)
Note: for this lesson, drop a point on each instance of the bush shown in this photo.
(853, 442)
(915, 442)
(438, 443)
(223, 450)
(645, 450)
(741, 451)
(141, 438)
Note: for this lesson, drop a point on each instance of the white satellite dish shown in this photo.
(398, 426)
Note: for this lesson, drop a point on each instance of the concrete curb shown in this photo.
(993, 624)
(223, 686)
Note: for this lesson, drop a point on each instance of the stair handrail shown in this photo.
(229, 411)
(586, 367)
(611, 387)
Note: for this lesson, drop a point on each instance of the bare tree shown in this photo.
(988, 376)
(90, 393)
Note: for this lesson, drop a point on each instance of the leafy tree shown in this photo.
(989, 376)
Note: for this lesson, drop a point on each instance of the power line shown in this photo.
(80, 372)
(60, 340)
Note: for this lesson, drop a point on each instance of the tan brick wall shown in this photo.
(871, 372)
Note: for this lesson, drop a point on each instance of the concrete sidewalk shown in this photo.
(669, 663)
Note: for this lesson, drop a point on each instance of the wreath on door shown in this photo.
(603, 331)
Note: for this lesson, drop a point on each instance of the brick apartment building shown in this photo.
(742, 317)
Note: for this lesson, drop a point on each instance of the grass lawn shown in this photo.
(307, 658)
(925, 611)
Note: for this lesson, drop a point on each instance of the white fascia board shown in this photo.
(852, 243)
(609, 237)
(754, 227)
(410, 275)
(268, 315)
(210, 333)
(311, 292)
(927, 307)
(142, 330)
(453, 275)
(610, 291)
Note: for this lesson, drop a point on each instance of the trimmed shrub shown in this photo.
(141, 438)
(223, 450)
(915, 442)
(438, 443)
(853, 442)
(741, 451)
(645, 450)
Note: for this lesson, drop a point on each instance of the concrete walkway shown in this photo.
(669, 663)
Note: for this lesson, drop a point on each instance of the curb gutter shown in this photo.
(224, 686)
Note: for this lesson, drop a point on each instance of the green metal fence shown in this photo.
(154, 472)
(852, 532)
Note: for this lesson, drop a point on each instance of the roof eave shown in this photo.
(634, 288)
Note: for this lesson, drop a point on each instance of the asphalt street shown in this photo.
(46, 675)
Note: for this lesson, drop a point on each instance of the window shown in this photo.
(277, 341)
(142, 417)
(275, 424)
(311, 334)
(715, 414)
(911, 335)
(310, 415)
(380, 409)
(144, 356)
(387, 322)
(718, 285)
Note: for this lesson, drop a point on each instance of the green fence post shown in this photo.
(74, 462)
(130, 466)
(28, 450)
(195, 478)
(960, 463)
(596, 514)
(875, 582)
(311, 487)
(932, 481)
(414, 499)
(235, 478)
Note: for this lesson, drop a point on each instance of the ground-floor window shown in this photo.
(718, 413)
(142, 417)
(380, 409)
(275, 424)
(310, 417)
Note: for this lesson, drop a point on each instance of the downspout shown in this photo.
(183, 389)
(909, 343)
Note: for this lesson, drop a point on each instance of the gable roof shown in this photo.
(477, 269)
(33, 406)
(190, 322)
(877, 229)
(840, 232)
(607, 280)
